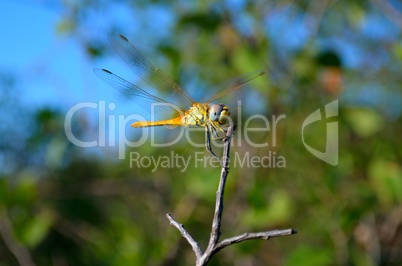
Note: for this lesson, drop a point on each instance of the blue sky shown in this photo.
(53, 69)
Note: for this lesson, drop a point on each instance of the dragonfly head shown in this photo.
(219, 113)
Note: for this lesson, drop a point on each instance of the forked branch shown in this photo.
(214, 246)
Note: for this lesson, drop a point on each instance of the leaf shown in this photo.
(65, 26)
(278, 210)
(364, 122)
(386, 181)
(398, 50)
(309, 256)
(37, 228)
(205, 21)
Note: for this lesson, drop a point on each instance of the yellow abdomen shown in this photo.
(169, 122)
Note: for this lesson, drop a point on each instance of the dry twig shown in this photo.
(214, 246)
(20, 252)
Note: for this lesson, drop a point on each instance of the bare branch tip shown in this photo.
(171, 220)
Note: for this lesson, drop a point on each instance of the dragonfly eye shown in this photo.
(218, 112)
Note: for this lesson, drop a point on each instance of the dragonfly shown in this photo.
(177, 107)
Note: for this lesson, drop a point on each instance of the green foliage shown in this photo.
(364, 122)
(309, 256)
(386, 180)
(277, 209)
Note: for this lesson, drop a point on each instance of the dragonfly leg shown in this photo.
(208, 142)
(214, 129)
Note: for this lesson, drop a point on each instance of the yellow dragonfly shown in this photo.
(178, 108)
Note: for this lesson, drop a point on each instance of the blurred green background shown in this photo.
(65, 205)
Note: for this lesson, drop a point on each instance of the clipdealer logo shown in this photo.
(330, 155)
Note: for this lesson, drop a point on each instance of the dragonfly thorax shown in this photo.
(195, 116)
(201, 114)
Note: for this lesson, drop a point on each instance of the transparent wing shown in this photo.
(148, 73)
(234, 85)
(164, 109)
